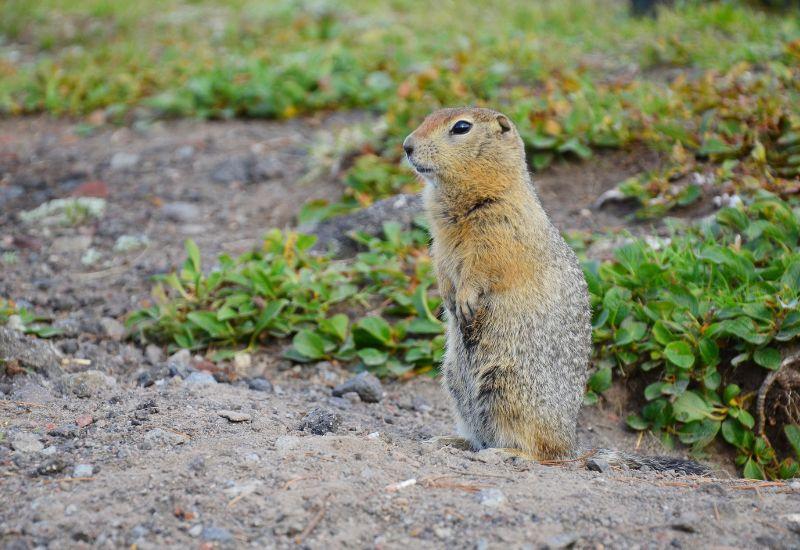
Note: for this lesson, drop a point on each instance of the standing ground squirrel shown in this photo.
(518, 315)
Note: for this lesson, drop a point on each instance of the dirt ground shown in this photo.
(130, 449)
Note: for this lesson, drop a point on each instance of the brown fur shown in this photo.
(517, 306)
(502, 268)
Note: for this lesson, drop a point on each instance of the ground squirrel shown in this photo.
(518, 316)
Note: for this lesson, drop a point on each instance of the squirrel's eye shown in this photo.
(461, 127)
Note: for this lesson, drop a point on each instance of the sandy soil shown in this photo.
(98, 460)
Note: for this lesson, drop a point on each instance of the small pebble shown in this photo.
(320, 422)
(82, 470)
(200, 379)
(365, 384)
(259, 384)
(235, 416)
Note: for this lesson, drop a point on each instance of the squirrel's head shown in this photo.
(467, 146)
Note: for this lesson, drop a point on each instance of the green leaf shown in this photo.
(679, 354)
(637, 422)
(425, 326)
(731, 391)
(372, 332)
(709, 351)
(335, 326)
(653, 390)
(372, 357)
(194, 254)
(309, 344)
(752, 470)
(600, 381)
(792, 432)
(769, 358)
(699, 433)
(207, 320)
(690, 406)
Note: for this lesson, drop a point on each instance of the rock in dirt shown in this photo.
(26, 442)
(237, 169)
(320, 422)
(598, 465)
(235, 416)
(200, 379)
(365, 384)
(216, 534)
(491, 497)
(259, 384)
(90, 383)
(70, 244)
(124, 161)
(112, 328)
(182, 212)
(153, 354)
(82, 470)
(159, 436)
(561, 540)
(333, 234)
(51, 466)
(31, 353)
(247, 169)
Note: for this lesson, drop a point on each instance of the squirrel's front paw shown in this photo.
(467, 305)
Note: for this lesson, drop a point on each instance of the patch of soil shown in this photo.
(97, 461)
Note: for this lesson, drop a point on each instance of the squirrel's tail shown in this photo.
(635, 462)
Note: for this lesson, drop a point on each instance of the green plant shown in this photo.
(698, 315)
(29, 322)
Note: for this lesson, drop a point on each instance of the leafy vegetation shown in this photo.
(715, 83)
(283, 291)
(26, 320)
(701, 316)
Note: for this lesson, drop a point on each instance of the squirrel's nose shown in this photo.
(408, 146)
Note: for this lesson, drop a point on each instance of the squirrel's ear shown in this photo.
(504, 123)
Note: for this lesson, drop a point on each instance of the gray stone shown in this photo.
(320, 422)
(216, 534)
(123, 161)
(153, 354)
(333, 234)
(236, 169)
(159, 436)
(200, 379)
(51, 466)
(491, 497)
(126, 243)
(89, 383)
(180, 211)
(181, 357)
(112, 328)
(26, 442)
(598, 465)
(69, 244)
(185, 152)
(259, 384)
(235, 416)
(561, 540)
(195, 530)
(31, 353)
(82, 470)
(365, 384)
